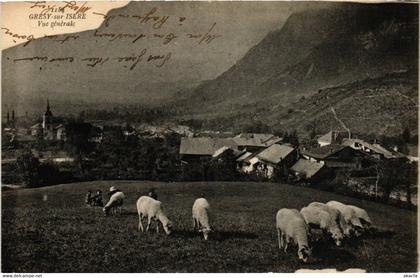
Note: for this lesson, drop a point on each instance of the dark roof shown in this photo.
(275, 153)
(203, 145)
(324, 152)
(307, 168)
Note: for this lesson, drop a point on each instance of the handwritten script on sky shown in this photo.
(150, 25)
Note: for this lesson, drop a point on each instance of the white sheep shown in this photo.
(291, 225)
(362, 215)
(115, 202)
(349, 215)
(200, 215)
(321, 218)
(337, 216)
(152, 209)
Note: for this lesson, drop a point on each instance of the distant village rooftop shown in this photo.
(307, 168)
(323, 152)
(256, 139)
(359, 144)
(203, 145)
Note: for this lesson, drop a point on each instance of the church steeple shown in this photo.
(47, 121)
(48, 111)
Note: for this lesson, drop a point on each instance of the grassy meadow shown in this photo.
(51, 229)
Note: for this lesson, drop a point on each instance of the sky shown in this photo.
(15, 16)
(239, 26)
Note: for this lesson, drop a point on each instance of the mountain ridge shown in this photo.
(341, 46)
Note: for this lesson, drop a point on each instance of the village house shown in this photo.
(194, 148)
(308, 170)
(274, 158)
(228, 151)
(374, 150)
(337, 156)
(244, 164)
(61, 133)
(36, 129)
(252, 142)
(332, 137)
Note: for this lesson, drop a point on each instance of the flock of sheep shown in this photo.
(333, 219)
(152, 209)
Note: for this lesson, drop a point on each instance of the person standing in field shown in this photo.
(89, 198)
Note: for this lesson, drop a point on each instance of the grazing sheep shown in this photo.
(152, 209)
(337, 216)
(115, 202)
(321, 218)
(291, 225)
(362, 215)
(200, 215)
(349, 215)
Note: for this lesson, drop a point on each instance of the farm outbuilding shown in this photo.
(253, 142)
(193, 148)
(375, 150)
(308, 170)
(332, 137)
(338, 156)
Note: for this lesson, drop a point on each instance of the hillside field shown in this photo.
(50, 229)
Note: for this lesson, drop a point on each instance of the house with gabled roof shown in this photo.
(337, 156)
(275, 157)
(253, 142)
(331, 137)
(193, 148)
(246, 162)
(308, 170)
(374, 150)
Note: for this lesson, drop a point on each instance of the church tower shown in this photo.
(47, 123)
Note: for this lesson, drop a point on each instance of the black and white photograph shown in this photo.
(209, 137)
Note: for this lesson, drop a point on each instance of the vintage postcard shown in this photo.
(209, 137)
